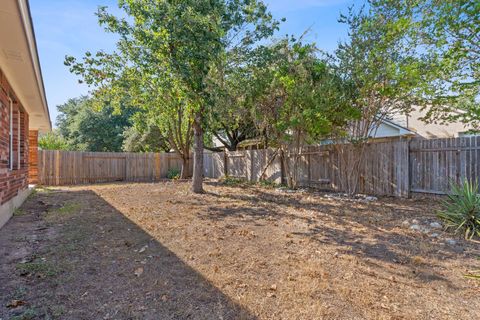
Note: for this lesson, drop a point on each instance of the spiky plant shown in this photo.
(461, 210)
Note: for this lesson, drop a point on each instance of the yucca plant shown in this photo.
(461, 210)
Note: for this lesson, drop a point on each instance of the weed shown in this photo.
(19, 212)
(41, 269)
(267, 184)
(233, 181)
(67, 208)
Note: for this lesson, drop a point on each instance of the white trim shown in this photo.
(19, 130)
(10, 134)
(32, 46)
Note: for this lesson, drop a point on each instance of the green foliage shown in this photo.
(445, 35)
(173, 173)
(164, 55)
(233, 181)
(67, 208)
(297, 99)
(145, 139)
(382, 72)
(241, 182)
(38, 268)
(301, 95)
(53, 141)
(91, 124)
(461, 210)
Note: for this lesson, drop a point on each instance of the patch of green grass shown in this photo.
(268, 184)
(43, 190)
(38, 268)
(235, 182)
(19, 212)
(67, 208)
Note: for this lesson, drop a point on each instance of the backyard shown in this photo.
(158, 251)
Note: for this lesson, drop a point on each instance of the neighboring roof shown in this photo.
(19, 61)
(434, 130)
(403, 130)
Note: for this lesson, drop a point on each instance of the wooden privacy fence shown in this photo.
(392, 167)
(74, 167)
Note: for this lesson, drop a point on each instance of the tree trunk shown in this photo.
(197, 182)
(185, 174)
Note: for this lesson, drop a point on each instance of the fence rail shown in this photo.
(73, 167)
(391, 167)
(395, 167)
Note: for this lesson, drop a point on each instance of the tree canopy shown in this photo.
(86, 127)
(165, 54)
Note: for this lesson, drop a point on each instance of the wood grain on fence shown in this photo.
(73, 167)
(391, 167)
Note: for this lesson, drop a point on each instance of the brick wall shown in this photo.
(33, 157)
(11, 181)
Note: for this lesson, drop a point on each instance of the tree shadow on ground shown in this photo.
(103, 266)
(368, 231)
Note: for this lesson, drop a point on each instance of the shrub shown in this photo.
(461, 210)
(173, 173)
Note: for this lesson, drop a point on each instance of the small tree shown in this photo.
(298, 101)
(172, 46)
(382, 75)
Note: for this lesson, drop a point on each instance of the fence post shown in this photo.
(225, 162)
(409, 169)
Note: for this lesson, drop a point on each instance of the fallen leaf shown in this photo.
(15, 303)
(138, 272)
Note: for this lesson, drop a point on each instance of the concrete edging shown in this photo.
(7, 209)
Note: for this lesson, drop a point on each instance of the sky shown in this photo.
(69, 27)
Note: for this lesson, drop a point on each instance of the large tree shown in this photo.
(87, 127)
(171, 47)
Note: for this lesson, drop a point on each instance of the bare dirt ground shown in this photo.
(156, 251)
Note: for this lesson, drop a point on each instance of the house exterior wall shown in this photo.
(385, 130)
(33, 157)
(13, 181)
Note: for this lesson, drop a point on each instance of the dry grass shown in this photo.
(244, 253)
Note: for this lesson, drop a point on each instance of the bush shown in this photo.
(173, 173)
(462, 209)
